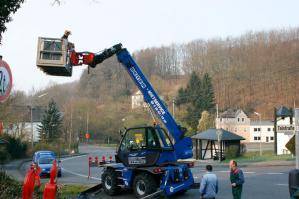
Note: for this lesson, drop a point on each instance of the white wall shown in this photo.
(262, 131)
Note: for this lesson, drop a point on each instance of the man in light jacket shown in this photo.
(209, 184)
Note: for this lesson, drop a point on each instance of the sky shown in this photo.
(137, 24)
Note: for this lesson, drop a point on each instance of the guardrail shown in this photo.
(94, 162)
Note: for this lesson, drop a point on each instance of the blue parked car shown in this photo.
(37, 155)
(44, 159)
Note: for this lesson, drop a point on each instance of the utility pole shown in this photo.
(173, 101)
(87, 121)
(260, 118)
(296, 111)
(31, 118)
(217, 114)
(71, 125)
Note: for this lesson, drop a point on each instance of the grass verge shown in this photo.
(251, 157)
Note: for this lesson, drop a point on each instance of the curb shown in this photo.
(254, 164)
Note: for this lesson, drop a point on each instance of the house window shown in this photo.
(242, 119)
(258, 129)
(272, 138)
(269, 129)
(257, 138)
(255, 129)
(220, 119)
(238, 119)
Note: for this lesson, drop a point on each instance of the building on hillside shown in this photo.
(138, 100)
(23, 129)
(262, 131)
(235, 121)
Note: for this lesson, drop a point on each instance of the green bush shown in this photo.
(9, 188)
(59, 149)
(231, 152)
(15, 148)
(4, 155)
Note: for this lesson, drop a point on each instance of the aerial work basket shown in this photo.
(53, 56)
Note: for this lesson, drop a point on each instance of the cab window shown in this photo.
(153, 139)
(134, 140)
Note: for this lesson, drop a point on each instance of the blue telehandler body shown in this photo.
(147, 159)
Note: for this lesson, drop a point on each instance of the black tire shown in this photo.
(109, 181)
(144, 184)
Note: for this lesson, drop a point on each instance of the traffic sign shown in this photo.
(5, 81)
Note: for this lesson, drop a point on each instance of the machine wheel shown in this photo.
(144, 184)
(109, 181)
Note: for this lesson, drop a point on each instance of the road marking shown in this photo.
(74, 157)
(282, 184)
(274, 173)
(78, 174)
(247, 172)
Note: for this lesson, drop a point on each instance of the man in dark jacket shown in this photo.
(236, 179)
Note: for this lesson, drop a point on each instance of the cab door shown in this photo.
(136, 148)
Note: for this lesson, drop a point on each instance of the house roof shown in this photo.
(230, 113)
(283, 112)
(211, 134)
(262, 122)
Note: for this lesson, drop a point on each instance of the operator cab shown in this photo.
(145, 146)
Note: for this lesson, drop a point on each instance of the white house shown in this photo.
(23, 131)
(235, 121)
(262, 131)
(138, 100)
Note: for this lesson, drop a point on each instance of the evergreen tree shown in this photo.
(7, 7)
(198, 96)
(51, 123)
(208, 98)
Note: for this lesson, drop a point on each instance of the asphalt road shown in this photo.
(260, 182)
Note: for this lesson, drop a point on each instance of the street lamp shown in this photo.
(260, 116)
(31, 117)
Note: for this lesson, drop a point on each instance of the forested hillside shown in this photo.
(255, 72)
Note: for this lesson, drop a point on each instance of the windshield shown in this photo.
(45, 160)
(165, 143)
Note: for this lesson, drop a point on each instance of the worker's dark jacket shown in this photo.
(237, 177)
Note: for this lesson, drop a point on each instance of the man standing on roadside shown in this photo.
(236, 179)
(209, 184)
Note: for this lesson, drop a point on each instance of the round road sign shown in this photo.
(5, 81)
